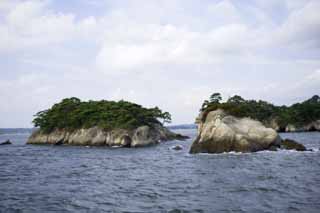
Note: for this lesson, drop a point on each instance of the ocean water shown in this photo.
(157, 179)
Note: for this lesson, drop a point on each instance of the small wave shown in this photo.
(311, 150)
(227, 153)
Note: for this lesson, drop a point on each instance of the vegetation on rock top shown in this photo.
(72, 113)
(298, 114)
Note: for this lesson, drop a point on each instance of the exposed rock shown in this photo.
(219, 132)
(7, 142)
(58, 143)
(292, 145)
(145, 136)
(272, 123)
(314, 126)
(177, 147)
(181, 137)
(95, 136)
(291, 128)
(273, 148)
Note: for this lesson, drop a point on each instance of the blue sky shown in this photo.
(169, 53)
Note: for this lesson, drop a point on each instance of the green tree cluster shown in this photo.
(297, 114)
(72, 113)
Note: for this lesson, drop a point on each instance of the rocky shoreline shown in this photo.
(95, 136)
(313, 126)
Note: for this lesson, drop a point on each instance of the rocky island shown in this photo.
(298, 117)
(242, 126)
(101, 123)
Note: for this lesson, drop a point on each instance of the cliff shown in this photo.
(220, 132)
(291, 127)
(96, 136)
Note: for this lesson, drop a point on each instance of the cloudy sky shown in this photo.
(167, 53)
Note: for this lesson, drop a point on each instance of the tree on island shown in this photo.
(236, 100)
(72, 113)
(297, 114)
(215, 98)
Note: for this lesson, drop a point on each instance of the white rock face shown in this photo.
(316, 125)
(144, 136)
(95, 136)
(313, 126)
(224, 133)
(290, 128)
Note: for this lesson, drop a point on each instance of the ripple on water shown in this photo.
(158, 179)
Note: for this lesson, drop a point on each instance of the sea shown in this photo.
(45, 178)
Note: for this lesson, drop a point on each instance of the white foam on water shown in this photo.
(226, 153)
(286, 151)
(315, 149)
(279, 151)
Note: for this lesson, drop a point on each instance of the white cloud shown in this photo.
(30, 24)
(224, 12)
(167, 53)
(170, 45)
(302, 25)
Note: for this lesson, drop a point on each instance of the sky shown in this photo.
(167, 53)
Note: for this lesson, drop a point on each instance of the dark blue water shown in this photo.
(157, 179)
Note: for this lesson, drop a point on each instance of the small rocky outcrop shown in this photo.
(7, 142)
(312, 126)
(219, 132)
(95, 136)
(292, 145)
(291, 128)
(272, 123)
(177, 147)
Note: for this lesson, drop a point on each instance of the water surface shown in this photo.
(157, 179)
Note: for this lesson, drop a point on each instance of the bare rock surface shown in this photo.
(219, 132)
(95, 136)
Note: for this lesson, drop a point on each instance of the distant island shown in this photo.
(16, 131)
(112, 123)
(304, 116)
(182, 126)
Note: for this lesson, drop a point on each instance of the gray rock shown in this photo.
(177, 147)
(272, 123)
(38, 137)
(292, 145)
(7, 142)
(291, 128)
(219, 132)
(273, 148)
(58, 143)
(95, 136)
(312, 126)
(145, 136)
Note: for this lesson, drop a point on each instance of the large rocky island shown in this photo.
(244, 126)
(101, 123)
(298, 117)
